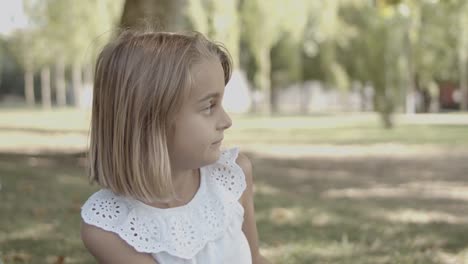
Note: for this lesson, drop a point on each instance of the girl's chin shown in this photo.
(215, 153)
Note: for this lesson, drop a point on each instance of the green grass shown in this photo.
(309, 209)
(350, 129)
(40, 202)
(69, 128)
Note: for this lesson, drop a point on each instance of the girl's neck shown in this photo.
(181, 179)
(186, 184)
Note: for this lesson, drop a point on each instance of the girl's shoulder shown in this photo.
(227, 173)
(180, 231)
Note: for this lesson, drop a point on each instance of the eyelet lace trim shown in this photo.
(181, 233)
(228, 174)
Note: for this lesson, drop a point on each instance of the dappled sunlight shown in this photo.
(281, 216)
(432, 119)
(341, 120)
(266, 189)
(296, 176)
(385, 150)
(35, 231)
(298, 173)
(41, 198)
(362, 196)
(299, 215)
(420, 190)
(72, 180)
(303, 175)
(380, 192)
(453, 258)
(62, 119)
(310, 182)
(312, 249)
(64, 259)
(25, 142)
(418, 216)
(17, 256)
(315, 203)
(441, 189)
(427, 240)
(40, 162)
(322, 219)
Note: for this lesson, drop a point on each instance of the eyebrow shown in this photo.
(208, 96)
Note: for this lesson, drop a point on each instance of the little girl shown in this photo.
(169, 193)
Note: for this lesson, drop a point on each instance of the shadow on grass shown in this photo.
(362, 210)
(41, 196)
(309, 210)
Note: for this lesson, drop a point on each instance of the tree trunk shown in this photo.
(162, 14)
(87, 90)
(462, 58)
(362, 96)
(45, 88)
(1, 74)
(384, 95)
(462, 61)
(385, 107)
(387, 120)
(88, 74)
(262, 80)
(410, 81)
(277, 82)
(463, 86)
(29, 85)
(60, 83)
(304, 100)
(77, 83)
(274, 104)
(410, 99)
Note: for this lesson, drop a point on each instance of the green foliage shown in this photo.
(286, 64)
(10, 72)
(67, 29)
(266, 23)
(393, 45)
(219, 20)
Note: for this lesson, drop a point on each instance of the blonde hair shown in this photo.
(141, 80)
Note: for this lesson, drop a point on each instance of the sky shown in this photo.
(11, 16)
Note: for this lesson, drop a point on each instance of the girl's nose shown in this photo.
(226, 121)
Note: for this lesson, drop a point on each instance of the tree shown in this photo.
(19, 45)
(265, 22)
(67, 36)
(373, 52)
(162, 13)
(286, 67)
(462, 16)
(219, 20)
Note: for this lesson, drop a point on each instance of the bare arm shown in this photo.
(250, 227)
(108, 247)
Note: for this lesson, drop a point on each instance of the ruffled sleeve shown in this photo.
(121, 216)
(227, 174)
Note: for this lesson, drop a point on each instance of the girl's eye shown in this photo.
(209, 108)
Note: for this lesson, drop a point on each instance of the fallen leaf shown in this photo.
(60, 260)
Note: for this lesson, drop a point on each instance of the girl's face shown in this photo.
(199, 126)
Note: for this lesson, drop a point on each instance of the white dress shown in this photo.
(206, 230)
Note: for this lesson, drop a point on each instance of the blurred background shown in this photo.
(353, 113)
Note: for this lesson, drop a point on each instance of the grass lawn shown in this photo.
(329, 188)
